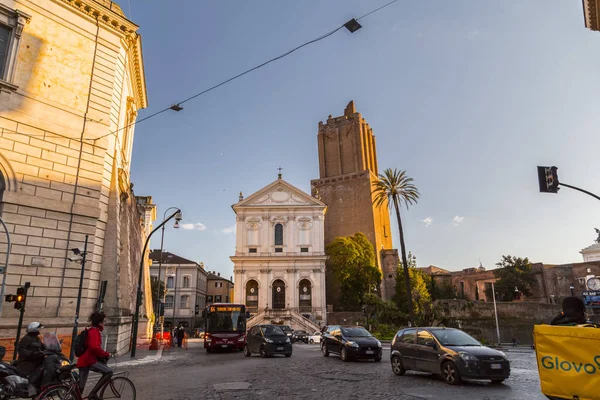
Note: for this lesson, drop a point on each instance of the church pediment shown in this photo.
(279, 193)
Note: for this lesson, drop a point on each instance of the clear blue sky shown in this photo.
(467, 96)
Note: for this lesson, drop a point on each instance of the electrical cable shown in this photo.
(240, 75)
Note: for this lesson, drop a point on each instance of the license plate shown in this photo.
(369, 352)
(496, 366)
(280, 349)
(224, 345)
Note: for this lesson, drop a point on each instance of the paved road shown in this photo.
(193, 374)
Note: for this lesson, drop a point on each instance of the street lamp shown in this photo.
(78, 256)
(138, 300)
(572, 289)
(160, 262)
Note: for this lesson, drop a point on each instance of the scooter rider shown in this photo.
(31, 354)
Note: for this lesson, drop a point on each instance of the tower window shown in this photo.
(278, 235)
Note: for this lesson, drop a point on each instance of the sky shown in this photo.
(467, 96)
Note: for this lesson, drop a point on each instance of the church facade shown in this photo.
(279, 261)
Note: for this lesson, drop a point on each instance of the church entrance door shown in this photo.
(278, 295)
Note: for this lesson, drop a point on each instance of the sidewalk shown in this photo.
(145, 356)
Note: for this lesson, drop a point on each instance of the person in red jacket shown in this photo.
(94, 358)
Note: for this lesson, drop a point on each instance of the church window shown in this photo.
(252, 250)
(278, 235)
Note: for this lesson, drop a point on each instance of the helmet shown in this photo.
(34, 327)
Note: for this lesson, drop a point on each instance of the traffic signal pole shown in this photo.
(579, 189)
(20, 325)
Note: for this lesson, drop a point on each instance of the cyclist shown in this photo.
(94, 358)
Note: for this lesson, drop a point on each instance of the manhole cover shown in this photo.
(231, 386)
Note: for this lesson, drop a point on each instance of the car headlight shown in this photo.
(503, 355)
(64, 363)
(241, 339)
(352, 344)
(378, 343)
(287, 340)
(467, 356)
(269, 340)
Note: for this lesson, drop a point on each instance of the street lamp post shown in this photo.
(5, 269)
(160, 262)
(138, 300)
(496, 313)
(79, 256)
(572, 289)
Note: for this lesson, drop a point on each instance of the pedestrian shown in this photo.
(180, 335)
(94, 358)
(573, 313)
(514, 342)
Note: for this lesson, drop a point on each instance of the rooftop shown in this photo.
(170, 258)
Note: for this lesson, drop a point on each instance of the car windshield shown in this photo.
(272, 331)
(286, 328)
(355, 332)
(300, 332)
(454, 337)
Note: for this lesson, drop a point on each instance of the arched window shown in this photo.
(252, 295)
(305, 295)
(278, 235)
(186, 281)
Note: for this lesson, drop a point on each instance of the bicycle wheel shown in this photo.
(118, 387)
(60, 392)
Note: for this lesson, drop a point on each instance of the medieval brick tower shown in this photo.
(348, 168)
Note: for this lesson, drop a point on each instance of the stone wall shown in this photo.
(389, 268)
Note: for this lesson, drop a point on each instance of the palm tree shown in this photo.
(394, 187)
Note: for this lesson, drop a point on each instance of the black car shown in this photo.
(300, 336)
(350, 342)
(287, 330)
(267, 340)
(448, 352)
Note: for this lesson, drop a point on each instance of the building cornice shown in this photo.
(137, 72)
(590, 14)
(107, 17)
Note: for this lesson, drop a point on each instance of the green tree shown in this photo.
(514, 276)
(352, 259)
(419, 284)
(158, 288)
(394, 188)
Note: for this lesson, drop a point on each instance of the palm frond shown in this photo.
(394, 184)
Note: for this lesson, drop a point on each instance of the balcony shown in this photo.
(282, 254)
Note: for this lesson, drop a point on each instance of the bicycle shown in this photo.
(118, 387)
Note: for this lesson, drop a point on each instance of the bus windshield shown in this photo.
(226, 319)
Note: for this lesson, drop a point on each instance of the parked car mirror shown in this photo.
(247, 314)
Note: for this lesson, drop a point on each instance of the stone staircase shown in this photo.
(283, 317)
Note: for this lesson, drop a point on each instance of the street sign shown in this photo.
(591, 298)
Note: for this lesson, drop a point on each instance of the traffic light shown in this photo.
(548, 179)
(19, 298)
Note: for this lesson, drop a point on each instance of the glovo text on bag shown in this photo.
(558, 364)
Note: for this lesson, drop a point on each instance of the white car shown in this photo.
(315, 338)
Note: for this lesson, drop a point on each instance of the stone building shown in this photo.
(279, 261)
(185, 282)
(347, 170)
(219, 289)
(71, 83)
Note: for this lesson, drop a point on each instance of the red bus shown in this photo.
(225, 327)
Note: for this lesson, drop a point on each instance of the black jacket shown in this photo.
(30, 354)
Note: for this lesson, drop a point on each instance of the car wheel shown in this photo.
(344, 354)
(450, 373)
(262, 352)
(288, 355)
(208, 350)
(397, 366)
(311, 341)
(378, 359)
(325, 350)
(497, 381)
(247, 352)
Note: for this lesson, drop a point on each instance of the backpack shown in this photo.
(80, 344)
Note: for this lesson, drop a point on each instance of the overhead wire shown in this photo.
(326, 35)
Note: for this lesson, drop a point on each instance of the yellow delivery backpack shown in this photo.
(568, 360)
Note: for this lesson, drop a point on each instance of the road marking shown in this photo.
(221, 387)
